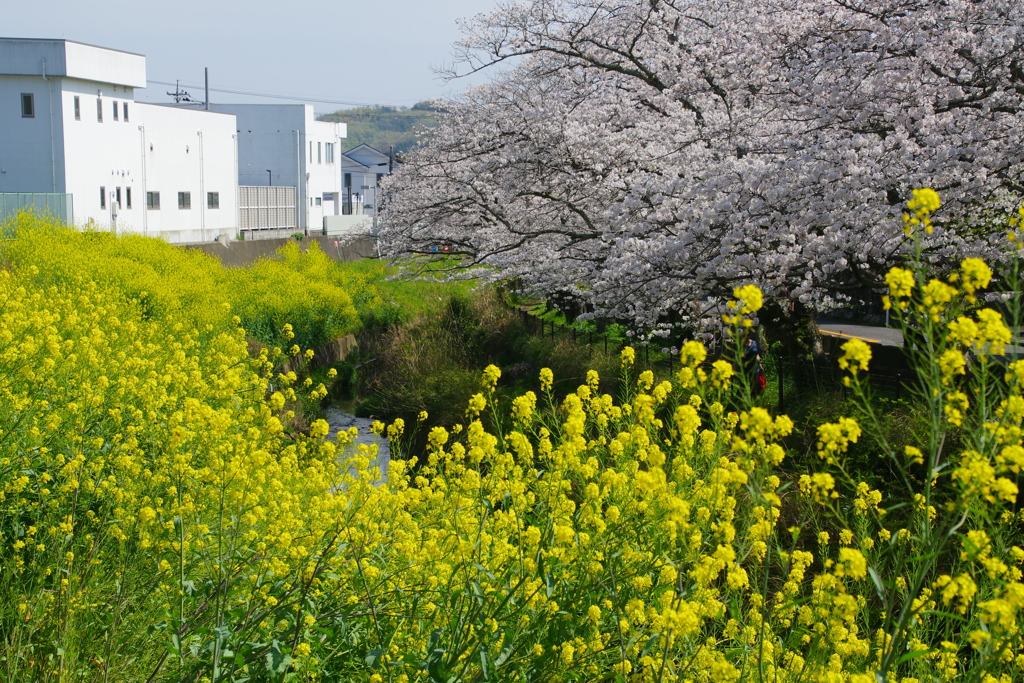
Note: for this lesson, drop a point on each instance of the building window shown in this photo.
(310, 151)
(78, 109)
(213, 200)
(153, 200)
(319, 153)
(329, 152)
(127, 197)
(317, 201)
(117, 196)
(124, 109)
(348, 180)
(380, 176)
(103, 197)
(28, 105)
(184, 200)
(99, 110)
(115, 109)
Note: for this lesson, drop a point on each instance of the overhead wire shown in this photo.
(278, 96)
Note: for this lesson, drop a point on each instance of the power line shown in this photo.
(404, 114)
(249, 93)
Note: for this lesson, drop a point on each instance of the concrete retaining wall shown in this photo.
(236, 254)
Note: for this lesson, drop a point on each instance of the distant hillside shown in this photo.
(383, 126)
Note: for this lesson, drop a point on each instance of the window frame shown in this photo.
(115, 110)
(78, 109)
(127, 197)
(152, 200)
(124, 110)
(185, 200)
(28, 112)
(213, 200)
(103, 196)
(99, 110)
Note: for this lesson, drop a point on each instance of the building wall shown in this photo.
(103, 154)
(323, 195)
(30, 148)
(267, 140)
(92, 63)
(288, 141)
(189, 152)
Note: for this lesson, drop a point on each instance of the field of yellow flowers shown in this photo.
(305, 289)
(156, 523)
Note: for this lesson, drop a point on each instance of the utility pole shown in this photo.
(206, 76)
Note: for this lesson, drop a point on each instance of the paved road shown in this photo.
(885, 336)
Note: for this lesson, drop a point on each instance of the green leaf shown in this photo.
(649, 644)
(435, 666)
(373, 658)
(914, 655)
(506, 650)
(222, 634)
(483, 664)
(483, 570)
(879, 587)
(277, 661)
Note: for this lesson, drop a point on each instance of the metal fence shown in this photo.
(58, 205)
(263, 208)
(893, 380)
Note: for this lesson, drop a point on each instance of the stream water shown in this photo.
(338, 419)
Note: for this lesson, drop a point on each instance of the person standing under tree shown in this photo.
(752, 364)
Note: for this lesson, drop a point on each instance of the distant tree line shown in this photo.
(383, 126)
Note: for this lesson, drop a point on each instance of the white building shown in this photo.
(363, 168)
(69, 124)
(284, 145)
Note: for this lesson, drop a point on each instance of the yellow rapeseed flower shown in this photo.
(856, 355)
(750, 299)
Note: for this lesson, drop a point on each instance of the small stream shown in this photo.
(339, 420)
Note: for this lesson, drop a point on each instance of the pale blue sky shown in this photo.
(365, 52)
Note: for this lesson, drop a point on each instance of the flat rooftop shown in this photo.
(71, 59)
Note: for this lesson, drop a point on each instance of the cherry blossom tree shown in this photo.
(650, 156)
